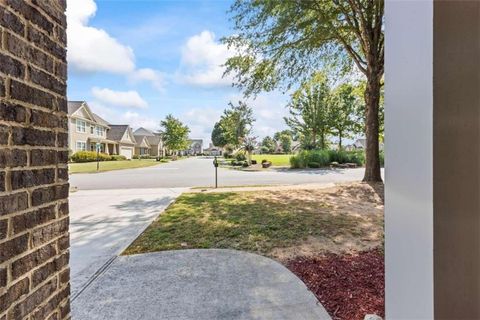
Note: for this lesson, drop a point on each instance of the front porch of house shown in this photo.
(109, 147)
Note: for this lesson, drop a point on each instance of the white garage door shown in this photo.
(127, 152)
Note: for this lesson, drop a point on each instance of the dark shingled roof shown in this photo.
(139, 139)
(154, 140)
(143, 132)
(117, 131)
(100, 119)
(74, 106)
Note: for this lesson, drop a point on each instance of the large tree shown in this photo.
(175, 134)
(310, 112)
(281, 43)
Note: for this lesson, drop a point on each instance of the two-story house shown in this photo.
(148, 143)
(87, 130)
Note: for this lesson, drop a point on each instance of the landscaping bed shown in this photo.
(348, 286)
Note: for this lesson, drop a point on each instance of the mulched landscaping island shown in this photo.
(348, 286)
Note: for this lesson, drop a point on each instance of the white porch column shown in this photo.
(432, 211)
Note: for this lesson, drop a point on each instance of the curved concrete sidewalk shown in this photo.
(197, 285)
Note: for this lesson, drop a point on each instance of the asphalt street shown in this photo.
(199, 172)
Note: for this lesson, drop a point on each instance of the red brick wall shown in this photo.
(34, 239)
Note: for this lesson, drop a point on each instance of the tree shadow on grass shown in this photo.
(252, 221)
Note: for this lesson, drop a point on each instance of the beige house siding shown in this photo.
(94, 131)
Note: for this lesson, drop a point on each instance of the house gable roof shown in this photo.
(75, 107)
(143, 132)
(100, 120)
(154, 140)
(141, 141)
(117, 131)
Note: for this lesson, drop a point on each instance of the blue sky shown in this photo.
(135, 61)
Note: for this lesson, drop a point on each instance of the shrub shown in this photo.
(89, 156)
(117, 157)
(240, 156)
(322, 158)
(382, 158)
(314, 165)
(357, 157)
(295, 162)
(254, 161)
(264, 161)
(244, 164)
(136, 156)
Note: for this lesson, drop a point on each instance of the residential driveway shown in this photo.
(197, 285)
(104, 222)
(199, 172)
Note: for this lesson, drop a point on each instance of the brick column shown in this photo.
(34, 239)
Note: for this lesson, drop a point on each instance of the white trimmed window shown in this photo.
(99, 131)
(81, 125)
(81, 146)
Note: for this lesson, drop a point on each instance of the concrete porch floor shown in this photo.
(197, 285)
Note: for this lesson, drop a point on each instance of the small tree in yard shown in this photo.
(219, 136)
(286, 143)
(175, 134)
(309, 112)
(282, 43)
(268, 145)
(249, 144)
(343, 117)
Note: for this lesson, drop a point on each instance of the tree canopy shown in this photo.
(268, 145)
(310, 112)
(279, 44)
(175, 134)
(234, 125)
(219, 138)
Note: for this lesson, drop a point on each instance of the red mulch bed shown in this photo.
(348, 286)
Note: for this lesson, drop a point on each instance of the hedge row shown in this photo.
(89, 156)
(323, 158)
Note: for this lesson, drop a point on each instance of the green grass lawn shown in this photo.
(268, 222)
(280, 160)
(91, 167)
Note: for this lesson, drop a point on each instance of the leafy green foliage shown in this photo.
(345, 116)
(268, 145)
(310, 112)
(89, 156)
(234, 126)
(219, 138)
(323, 158)
(175, 134)
(279, 44)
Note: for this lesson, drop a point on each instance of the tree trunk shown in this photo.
(340, 140)
(372, 100)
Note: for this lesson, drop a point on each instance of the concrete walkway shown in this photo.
(196, 285)
(104, 222)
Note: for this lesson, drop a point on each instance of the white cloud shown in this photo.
(147, 74)
(134, 119)
(201, 122)
(269, 110)
(202, 60)
(92, 50)
(126, 99)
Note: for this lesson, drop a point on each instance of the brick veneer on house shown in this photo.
(34, 239)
